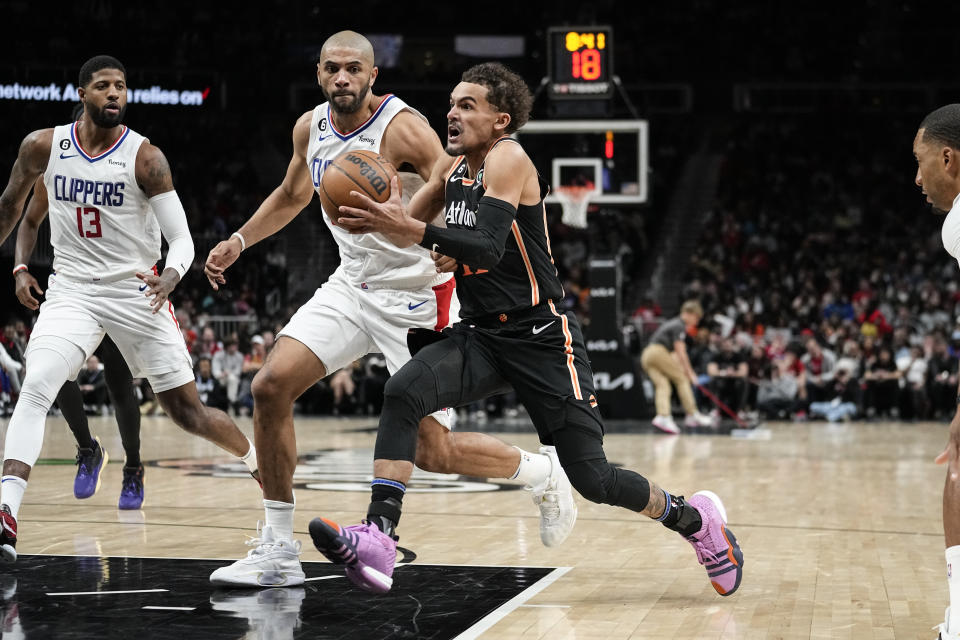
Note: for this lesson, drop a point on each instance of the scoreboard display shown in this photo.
(580, 62)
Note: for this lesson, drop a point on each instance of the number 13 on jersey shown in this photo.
(88, 222)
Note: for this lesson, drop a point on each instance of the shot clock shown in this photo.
(580, 62)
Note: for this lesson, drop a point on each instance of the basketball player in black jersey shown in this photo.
(511, 335)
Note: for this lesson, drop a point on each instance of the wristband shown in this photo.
(243, 243)
(20, 267)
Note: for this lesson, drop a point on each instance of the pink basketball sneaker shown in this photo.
(368, 554)
(716, 547)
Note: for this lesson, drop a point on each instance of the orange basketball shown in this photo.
(362, 171)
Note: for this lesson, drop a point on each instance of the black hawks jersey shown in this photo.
(526, 275)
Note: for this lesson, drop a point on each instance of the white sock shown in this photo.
(279, 517)
(11, 493)
(534, 468)
(250, 458)
(953, 581)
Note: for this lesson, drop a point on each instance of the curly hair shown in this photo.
(506, 91)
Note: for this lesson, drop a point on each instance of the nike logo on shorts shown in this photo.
(537, 330)
(143, 287)
(436, 248)
(412, 306)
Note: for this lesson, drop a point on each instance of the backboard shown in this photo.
(607, 156)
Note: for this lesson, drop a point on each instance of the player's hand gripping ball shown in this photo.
(363, 171)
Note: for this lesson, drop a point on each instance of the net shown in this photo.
(574, 200)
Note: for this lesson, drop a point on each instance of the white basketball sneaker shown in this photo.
(554, 497)
(698, 420)
(666, 424)
(272, 562)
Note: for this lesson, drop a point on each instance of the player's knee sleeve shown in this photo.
(590, 478)
(49, 364)
(413, 387)
(601, 482)
(580, 450)
(409, 395)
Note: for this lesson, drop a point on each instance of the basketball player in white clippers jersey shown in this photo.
(110, 195)
(92, 457)
(936, 148)
(377, 294)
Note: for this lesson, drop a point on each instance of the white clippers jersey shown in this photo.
(367, 259)
(101, 225)
(950, 232)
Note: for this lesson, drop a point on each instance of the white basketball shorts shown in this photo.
(343, 322)
(151, 343)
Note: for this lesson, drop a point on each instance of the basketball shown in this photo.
(366, 172)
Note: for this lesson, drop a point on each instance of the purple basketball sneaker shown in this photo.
(716, 547)
(90, 463)
(368, 554)
(131, 494)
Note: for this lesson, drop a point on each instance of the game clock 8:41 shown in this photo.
(580, 62)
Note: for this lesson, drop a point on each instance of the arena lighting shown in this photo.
(56, 92)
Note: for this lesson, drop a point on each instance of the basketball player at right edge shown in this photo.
(374, 297)
(936, 148)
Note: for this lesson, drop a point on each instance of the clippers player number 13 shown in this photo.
(110, 196)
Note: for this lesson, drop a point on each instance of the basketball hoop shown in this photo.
(574, 200)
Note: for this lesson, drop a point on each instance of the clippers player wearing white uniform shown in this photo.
(936, 148)
(110, 196)
(376, 295)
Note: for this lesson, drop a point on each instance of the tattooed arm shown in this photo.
(153, 171)
(31, 162)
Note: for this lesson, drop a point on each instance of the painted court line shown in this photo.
(322, 578)
(103, 593)
(510, 605)
(169, 608)
(405, 564)
(547, 606)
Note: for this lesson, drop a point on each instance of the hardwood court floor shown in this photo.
(840, 526)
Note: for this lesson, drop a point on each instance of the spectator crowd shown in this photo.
(826, 289)
(842, 376)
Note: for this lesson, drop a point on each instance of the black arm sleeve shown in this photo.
(481, 247)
